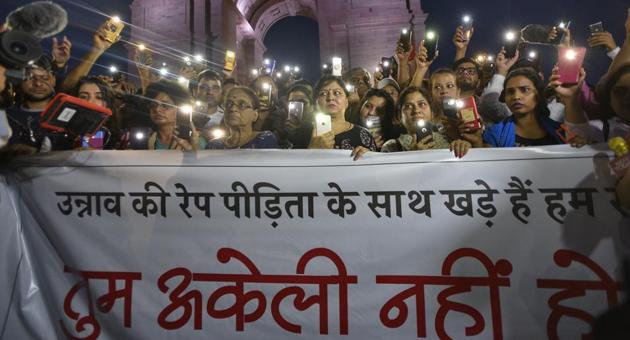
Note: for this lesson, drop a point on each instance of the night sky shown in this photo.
(294, 40)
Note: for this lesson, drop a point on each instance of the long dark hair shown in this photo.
(390, 129)
(541, 103)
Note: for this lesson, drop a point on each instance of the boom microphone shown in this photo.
(42, 19)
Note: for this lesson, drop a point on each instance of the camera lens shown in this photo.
(18, 48)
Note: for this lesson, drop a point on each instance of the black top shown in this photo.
(357, 136)
(547, 140)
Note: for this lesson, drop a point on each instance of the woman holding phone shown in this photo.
(332, 131)
(421, 127)
(240, 117)
(165, 100)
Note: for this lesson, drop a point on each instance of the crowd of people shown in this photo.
(510, 102)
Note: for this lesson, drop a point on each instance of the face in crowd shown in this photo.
(373, 107)
(240, 110)
(360, 78)
(415, 107)
(163, 111)
(332, 100)
(299, 96)
(393, 92)
(209, 91)
(467, 76)
(521, 95)
(443, 85)
(92, 93)
(39, 86)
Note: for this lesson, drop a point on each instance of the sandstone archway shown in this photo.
(359, 31)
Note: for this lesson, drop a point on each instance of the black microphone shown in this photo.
(42, 19)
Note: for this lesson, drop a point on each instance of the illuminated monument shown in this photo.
(359, 31)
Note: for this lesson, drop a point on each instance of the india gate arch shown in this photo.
(359, 31)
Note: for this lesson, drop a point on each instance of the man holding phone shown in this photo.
(603, 39)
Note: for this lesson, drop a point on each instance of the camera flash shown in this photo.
(267, 62)
(349, 88)
(509, 36)
(198, 57)
(279, 75)
(296, 69)
(139, 135)
(405, 31)
(187, 109)
(571, 55)
(291, 106)
(198, 103)
(430, 35)
(480, 58)
(116, 18)
(182, 80)
(325, 66)
(255, 72)
(421, 123)
(562, 25)
(532, 55)
(113, 69)
(186, 59)
(266, 86)
(163, 71)
(489, 58)
(287, 68)
(141, 47)
(466, 18)
(218, 133)
(377, 69)
(386, 64)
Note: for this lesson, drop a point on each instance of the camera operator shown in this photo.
(34, 94)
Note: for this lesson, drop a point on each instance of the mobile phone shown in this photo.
(569, 64)
(230, 61)
(323, 124)
(431, 44)
(450, 108)
(336, 67)
(296, 110)
(597, 27)
(423, 129)
(138, 137)
(468, 112)
(264, 94)
(467, 25)
(387, 65)
(373, 123)
(112, 29)
(561, 33)
(405, 39)
(95, 141)
(512, 41)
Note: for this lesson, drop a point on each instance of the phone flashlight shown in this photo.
(405, 31)
(163, 71)
(296, 69)
(510, 36)
(141, 47)
(254, 72)
(139, 135)
(218, 133)
(113, 69)
(287, 69)
(533, 55)
(570, 55)
(421, 123)
(349, 88)
(430, 35)
(279, 75)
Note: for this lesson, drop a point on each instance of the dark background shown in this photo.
(295, 40)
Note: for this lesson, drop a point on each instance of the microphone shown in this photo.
(42, 19)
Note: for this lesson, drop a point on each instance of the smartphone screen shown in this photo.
(405, 39)
(95, 141)
(296, 110)
(113, 28)
(323, 124)
(511, 45)
(569, 64)
(373, 124)
(230, 60)
(336, 67)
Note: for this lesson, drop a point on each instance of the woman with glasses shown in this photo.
(422, 127)
(241, 113)
(166, 98)
(332, 100)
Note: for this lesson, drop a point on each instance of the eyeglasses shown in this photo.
(240, 105)
(337, 93)
(162, 106)
(469, 70)
(41, 77)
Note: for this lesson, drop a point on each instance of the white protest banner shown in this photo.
(502, 244)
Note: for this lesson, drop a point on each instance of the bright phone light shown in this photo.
(163, 71)
(199, 57)
(430, 35)
(139, 135)
(141, 47)
(116, 18)
(255, 72)
(466, 18)
(510, 36)
(571, 55)
(186, 109)
(113, 69)
(287, 69)
(421, 123)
